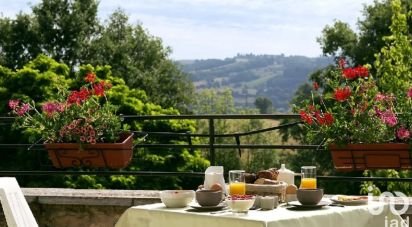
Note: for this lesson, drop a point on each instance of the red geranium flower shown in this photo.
(342, 94)
(78, 96)
(90, 77)
(306, 117)
(353, 73)
(99, 88)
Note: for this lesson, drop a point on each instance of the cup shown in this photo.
(308, 180)
(256, 204)
(237, 185)
(268, 202)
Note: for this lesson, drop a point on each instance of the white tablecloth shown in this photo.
(157, 215)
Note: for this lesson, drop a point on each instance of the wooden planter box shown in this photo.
(100, 155)
(356, 157)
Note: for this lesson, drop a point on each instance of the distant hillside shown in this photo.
(273, 76)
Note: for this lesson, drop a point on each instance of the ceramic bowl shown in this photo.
(240, 203)
(208, 197)
(309, 196)
(177, 198)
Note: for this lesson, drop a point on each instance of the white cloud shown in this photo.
(223, 28)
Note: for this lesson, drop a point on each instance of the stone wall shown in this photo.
(82, 207)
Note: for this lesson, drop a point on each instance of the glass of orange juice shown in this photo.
(237, 185)
(308, 180)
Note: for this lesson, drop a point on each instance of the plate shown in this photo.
(208, 208)
(298, 205)
(350, 200)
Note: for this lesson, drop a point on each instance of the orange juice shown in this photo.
(237, 188)
(308, 183)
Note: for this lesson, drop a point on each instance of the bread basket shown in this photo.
(278, 189)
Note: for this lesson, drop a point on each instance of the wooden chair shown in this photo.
(15, 207)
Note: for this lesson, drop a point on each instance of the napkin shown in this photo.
(214, 174)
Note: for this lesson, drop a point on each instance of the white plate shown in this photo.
(358, 200)
(208, 208)
(298, 205)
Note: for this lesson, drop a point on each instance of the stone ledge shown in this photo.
(106, 197)
(95, 197)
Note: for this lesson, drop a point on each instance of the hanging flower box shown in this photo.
(100, 155)
(357, 157)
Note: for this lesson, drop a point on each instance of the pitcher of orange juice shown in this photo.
(308, 180)
(237, 185)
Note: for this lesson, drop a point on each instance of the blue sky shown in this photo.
(200, 29)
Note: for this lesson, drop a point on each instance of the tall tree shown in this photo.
(340, 39)
(263, 104)
(70, 32)
(66, 28)
(19, 41)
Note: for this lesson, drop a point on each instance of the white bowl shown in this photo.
(240, 204)
(177, 198)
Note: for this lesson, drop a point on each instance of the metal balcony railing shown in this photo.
(211, 146)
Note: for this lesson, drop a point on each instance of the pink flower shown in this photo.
(403, 133)
(389, 118)
(380, 97)
(51, 107)
(92, 133)
(14, 103)
(23, 109)
(410, 92)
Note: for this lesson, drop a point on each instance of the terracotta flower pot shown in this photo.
(354, 157)
(101, 155)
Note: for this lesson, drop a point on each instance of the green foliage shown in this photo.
(48, 76)
(76, 116)
(344, 40)
(384, 39)
(339, 39)
(275, 77)
(377, 187)
(70, 32)
(349, 109)
(66, 29)
(264, 105)
(211, 101)
(394, 63)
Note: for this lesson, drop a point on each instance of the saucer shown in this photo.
(208, 208)
(298, 205)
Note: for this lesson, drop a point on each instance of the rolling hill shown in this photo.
(249, 76)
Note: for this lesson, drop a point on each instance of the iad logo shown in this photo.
(396, 199)
(396, 222)
(398, 205)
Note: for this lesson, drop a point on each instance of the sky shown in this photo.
(202, 29)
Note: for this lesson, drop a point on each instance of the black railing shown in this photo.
(211, 146)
